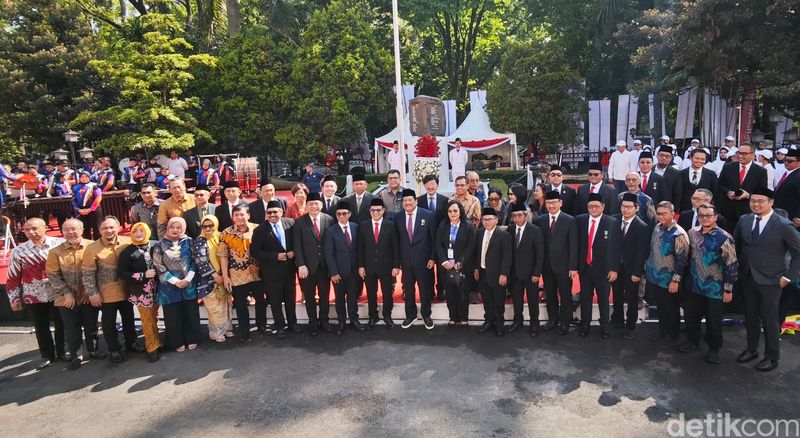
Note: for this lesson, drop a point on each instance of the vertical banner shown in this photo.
(684, 125)
(783, 126)
(627, 109)
(708, 120)
(408, 94)
(599, 124)
(747, 116)
(450, 115)
(651, 112)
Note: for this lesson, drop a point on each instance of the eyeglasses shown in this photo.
(208, 226)
(705, 216)
(790, 160)
(272, 212)
(744, 153)
(594, 174)
(493, 198)
(556, 174)
(342, 213)
(375, 210)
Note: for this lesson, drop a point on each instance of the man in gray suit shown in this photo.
(360, 199)
(763, 240)
(203, 207)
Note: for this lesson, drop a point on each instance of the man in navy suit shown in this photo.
(596, 185)
(763, 240)
(272, 246)
(737, 181)
(416, 229)
(636, 243)
(526, 269)
(598, 258)
(360, 199)
(378, 261)
(436, 203)
(493, 255)
(560, 262)
(567, 193)
(341, 255)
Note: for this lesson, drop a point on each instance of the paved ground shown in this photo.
(446, 382)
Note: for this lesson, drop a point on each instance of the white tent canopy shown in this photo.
(477, 135)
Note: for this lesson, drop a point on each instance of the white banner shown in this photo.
(627, 108)
(684, 125)
(784, 125)
(599, 124)
(450, 116)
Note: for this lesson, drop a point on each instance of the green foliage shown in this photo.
(151, 74)
(538, 95)
(44, 48)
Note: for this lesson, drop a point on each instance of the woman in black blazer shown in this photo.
(455, 249)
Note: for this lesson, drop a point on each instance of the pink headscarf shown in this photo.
(179, 220)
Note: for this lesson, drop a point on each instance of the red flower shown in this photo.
(427, 146)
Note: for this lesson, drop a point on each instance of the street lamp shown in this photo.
(775, 116)
(85, 153)
(757, 136)
(790, 135)
(71, 138)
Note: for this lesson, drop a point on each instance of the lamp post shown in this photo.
(790, 135)
(85, 153)
(775, 117)
(71, 138)
(757, 136)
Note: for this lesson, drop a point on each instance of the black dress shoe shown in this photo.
(74, 364)
(485, 326)
(746, 356)
(388, 321)
(628, 334)
(46, 363)
(135, 348)
(688, 347)
(550, 325)
(562, 331)
(116, 357)
(514, 325)
(407, 323)
(371, 323)
(713, 357)
(356, 324)
(498, 332)
(264, 331)
(339, 329)
(280, 333)
(767, 365)
(153, 356)
(428, 323)
(326, 326)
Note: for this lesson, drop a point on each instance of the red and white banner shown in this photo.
(747, 117)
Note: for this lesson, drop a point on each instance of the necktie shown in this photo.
(625, 228)
(410, 228)
(696, 220)
(589, 247)
(431, 204)
(757, 228)
(552, 224)
(486, 238)
(783, 178)
(347, 238)
(329, 204)
(279, 235)
(591, 188)
(376, 232)
(644, 182)
(519, 236)
(694, 178)
(742, 173)
(316, 229)
(358, 203)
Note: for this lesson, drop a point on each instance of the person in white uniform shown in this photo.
(394, 159)
(458, 160)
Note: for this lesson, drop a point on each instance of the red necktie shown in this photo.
(589, 245)
(347, 238)
(316, 229)
(644, 182)
(376, 232)
(591, 188)
(742, 173)
(783, 178)
(410, 228)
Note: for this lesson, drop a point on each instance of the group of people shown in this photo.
(692, 243)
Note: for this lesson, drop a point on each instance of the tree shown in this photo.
(343, 77)
(44, 48)
(151, 74)
(538, 95)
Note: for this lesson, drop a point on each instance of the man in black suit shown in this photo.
(526, 269)
(596, 185)
(378, 261)
(636, 244)
(598, 259)
(672, 187)
(763, 240)
(560, 262)
(360, 199)
(202, 208)
(737, 181)
(567, 193)
(688, 219)
(651, 182)
(224, 211)
(787, 191)
(258, 208)
(696, 177)
(416, 230)
(493, 253)
(341, 256)
(311, 266)
(272, 246)
(437, 204)
(329, 198)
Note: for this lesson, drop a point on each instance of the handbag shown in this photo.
(455, 277)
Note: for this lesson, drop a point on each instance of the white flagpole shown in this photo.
(398, 88)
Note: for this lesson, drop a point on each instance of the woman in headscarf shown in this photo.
(216, 299)
(177, 292)
(517, 194)
(86, 201)
(135, 267)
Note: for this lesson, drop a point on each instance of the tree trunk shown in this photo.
(234, 18)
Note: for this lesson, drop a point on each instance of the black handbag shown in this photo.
(455, 277)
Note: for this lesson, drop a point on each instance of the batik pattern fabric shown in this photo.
(134, 261)
(647, 208)
(205, 271)
(27, 281)
(669, 255)
(235, 246)
(173, 262)
(64, 270)
(714, 267)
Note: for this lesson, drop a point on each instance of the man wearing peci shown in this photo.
(360, 199)
(567, 194)
(378, 261)
(636, 247)
(202, 207)
(416, 231)
(526, 268)
(341, 257)
(258, 208)
(596, 185)
(493, 254)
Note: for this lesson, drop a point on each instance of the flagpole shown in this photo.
(398, 92)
